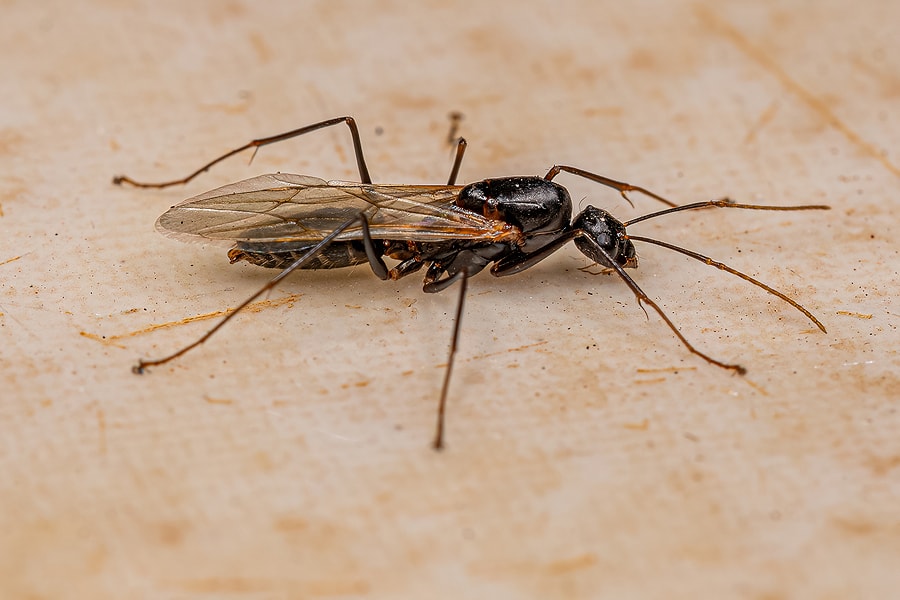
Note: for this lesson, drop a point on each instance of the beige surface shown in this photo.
(589, 455)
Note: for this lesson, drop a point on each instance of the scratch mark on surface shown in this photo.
(246, 585)
(576, 563)
(101, 425)
(516, 349)
(848, 313)
(223, 401)
(254, 307)
(650, 381)
(756, 386)
(500, 353)
(675, 370)
(811, 100)
(764, 119)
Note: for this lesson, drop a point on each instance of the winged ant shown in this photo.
(292, 222)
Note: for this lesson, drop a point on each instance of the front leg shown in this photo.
(434, 283)
(405, 268)
(461, 264)
(517, 261)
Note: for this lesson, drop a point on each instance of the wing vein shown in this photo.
(283, 207)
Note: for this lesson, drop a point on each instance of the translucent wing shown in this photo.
(283, 207)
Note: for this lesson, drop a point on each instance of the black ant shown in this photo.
(291, 222)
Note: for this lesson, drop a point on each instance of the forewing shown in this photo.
(285, 207)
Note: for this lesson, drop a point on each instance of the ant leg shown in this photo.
(375, 261)
(405, 268)
(621, 186)
(518, 262)
(456, 118)
(433, 285)
(644, 298)
(463, 277)
(364, 176)
(315, 250)
(460, 150)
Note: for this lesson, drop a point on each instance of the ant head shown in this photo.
(602, 230)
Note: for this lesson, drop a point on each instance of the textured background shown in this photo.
(589, 455)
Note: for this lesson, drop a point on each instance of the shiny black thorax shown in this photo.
(539, 208)
(533, 204)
